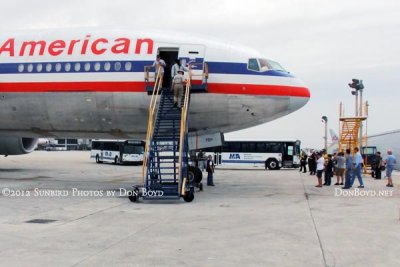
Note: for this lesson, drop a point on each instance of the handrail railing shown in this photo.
(150, 127)
(147, 73)
(203, 75)
(183, 131)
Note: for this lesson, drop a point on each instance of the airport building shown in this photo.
(385, 141)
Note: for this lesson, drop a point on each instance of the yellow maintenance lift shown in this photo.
(350, 127)
(349, 135)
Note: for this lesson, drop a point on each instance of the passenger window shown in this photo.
(30, 67)
(107, 66)
(253, 64)
(39, 67)
(117, 66)
(67, 67)
(87, 66)
(77, 66)
(128, 66)
(97, 66)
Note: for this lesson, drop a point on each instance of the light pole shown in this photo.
(358, 86)
(324, 119)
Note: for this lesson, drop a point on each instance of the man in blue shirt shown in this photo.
(349, 170)
(357, 167)
(390, 161)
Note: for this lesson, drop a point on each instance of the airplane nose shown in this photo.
(300, 97)
(297, 103)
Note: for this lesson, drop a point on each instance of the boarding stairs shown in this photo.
(349, 133)
(165, 163)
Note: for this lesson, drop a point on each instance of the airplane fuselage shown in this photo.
(86, 83)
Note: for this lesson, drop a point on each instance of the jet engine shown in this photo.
(17, 145)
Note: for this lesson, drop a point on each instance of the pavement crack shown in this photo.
(314, 223)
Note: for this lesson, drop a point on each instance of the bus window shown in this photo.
(290, 150)
(274, 147)
(260, 147)
(234, 146)
(96, 145)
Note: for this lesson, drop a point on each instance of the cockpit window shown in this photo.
(275, 65)
(253, 64)
(263, 65)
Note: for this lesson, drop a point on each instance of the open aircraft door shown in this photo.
(193, 55)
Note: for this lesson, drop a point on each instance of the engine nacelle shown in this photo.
(17, 145)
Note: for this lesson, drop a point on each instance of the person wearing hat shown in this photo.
(177, 87)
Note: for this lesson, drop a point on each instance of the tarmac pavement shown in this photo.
(251, 217)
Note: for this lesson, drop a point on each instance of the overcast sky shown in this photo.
(325, 43)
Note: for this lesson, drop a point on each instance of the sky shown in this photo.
(323, 42)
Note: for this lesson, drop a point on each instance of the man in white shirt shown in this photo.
(159, 64)
(320, 168)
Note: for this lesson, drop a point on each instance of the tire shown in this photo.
(189, 196)
(272, 164)
(98, 159)
(194, 175)
(116, 160)
(134, 196)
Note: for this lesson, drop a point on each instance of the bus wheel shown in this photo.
(194, 175)
(272, 164)
(98, 159)
(116, 160)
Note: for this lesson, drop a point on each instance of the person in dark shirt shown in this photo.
(312, 163)
(378, 165)
(328, 170)
(210, 171)
(303, 161)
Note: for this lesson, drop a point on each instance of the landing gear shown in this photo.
(195, 176)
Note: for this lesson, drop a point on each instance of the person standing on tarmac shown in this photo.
(210, 171)
(358, 161)
(312, 159)
(303, 161)
(377, 165)
(390, 162)
(349, 170)
(320, 168)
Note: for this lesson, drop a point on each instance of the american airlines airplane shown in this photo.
(90, 84)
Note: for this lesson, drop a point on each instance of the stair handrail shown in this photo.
(152, 115)
(184, 114)
(204, 74)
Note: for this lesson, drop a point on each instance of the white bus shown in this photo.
(268, 154)
(118, 151)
